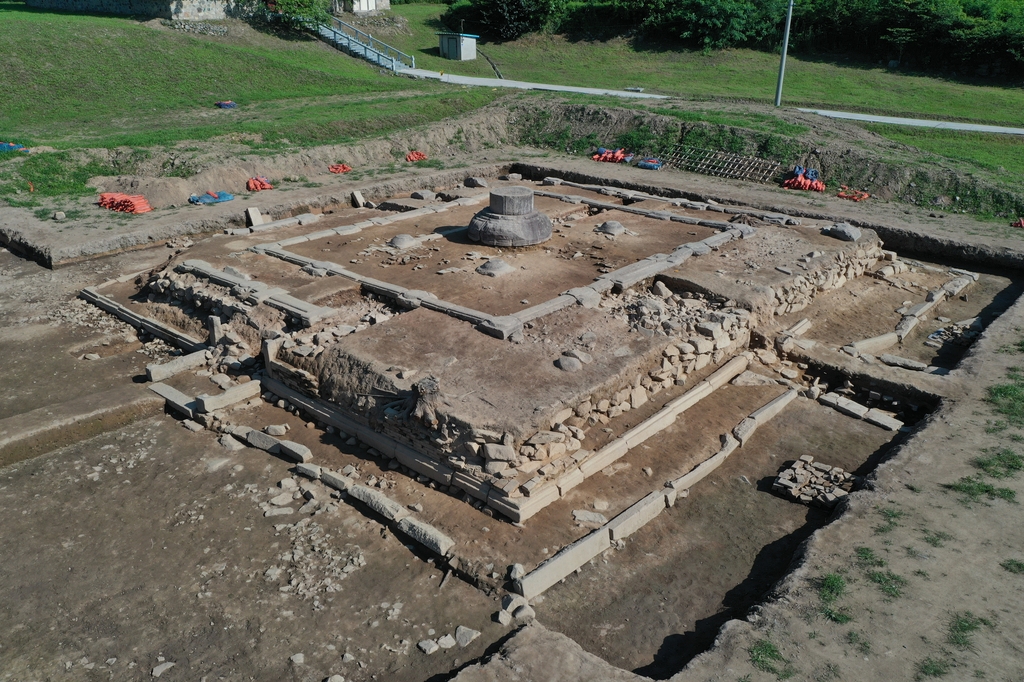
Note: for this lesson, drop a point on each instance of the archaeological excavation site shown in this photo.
(528, 423)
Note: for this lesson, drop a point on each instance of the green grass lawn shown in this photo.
(82, 80)
(1003, 154)
(741, 74)
(422, 43)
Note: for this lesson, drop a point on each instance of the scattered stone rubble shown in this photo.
(814, 483)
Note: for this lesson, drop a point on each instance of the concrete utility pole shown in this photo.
(785, 49)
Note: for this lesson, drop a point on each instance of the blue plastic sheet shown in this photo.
(209, 199)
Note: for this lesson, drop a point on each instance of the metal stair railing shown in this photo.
(365, 45)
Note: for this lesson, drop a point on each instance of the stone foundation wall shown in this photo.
(189, 10)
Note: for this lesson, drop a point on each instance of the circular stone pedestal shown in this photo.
(510, 220)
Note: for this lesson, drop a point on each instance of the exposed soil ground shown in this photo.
(173, 563)
(659, 602)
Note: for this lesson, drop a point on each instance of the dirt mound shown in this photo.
(226, 167)
(844, 152)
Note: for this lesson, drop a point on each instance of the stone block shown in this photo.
(471, 484)
(606, 456)
(851, 408)
(379, 503)
(176, 400)
(636, 516)
(906, 325)
(768, 411)
(416, 461)
(876, 344)
(308, 470)
(501, 327)
(829, 400)
(427, 535)
(295, 451)
(905, 363)
(688, 399)
(253, 217)
(727, 372)
(522, 508)
(744, 430)
(702, 470)
(585, 296)
(562, 564)
(883, 420)
(546, 308)
(332, 479)
(569, 480)
(262, 441)
(235, 394)
(159, 372)
(657, 423)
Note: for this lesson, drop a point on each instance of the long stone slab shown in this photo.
(762, 414)
(262, 441)
(235, 394)
(379, 502)
(520, 509)
(296, 452)
(702, 470)
(546, 308)
(428, 536)
(637, 516)
(158, 329)
(876, 344)
(604, 457)
(562, 564)
(883, 420)
(471, 484)
(333, 479)
(176, 400)
(422, 464)
(159, 372)
(727, 372)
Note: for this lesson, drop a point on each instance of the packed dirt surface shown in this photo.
(150, 547)
(163, 542)
(912, 187)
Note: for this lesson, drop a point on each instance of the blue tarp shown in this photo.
(649, 164)
(208, 199)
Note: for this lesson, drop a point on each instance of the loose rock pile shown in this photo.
(961, 333)
(814, 483)
(200, 27)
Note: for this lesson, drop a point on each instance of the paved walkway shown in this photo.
(521, 85)
(525, 85)
(919, 123)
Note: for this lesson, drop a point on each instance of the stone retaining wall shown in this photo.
(188, 10)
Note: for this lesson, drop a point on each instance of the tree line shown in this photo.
(967, 37)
